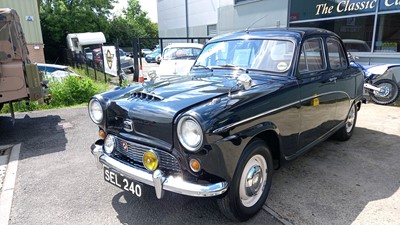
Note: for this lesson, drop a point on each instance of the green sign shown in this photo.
(388, 5)
(316, 9)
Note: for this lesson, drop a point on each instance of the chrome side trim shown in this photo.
(159, 181)
(326, 93)
(227, 127)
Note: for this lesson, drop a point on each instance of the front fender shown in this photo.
(226, 150)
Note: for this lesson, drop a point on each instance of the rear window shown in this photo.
(180, 53)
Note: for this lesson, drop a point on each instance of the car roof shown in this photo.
(193, 45)
(284, 33)
(52, 65)
(354, 41)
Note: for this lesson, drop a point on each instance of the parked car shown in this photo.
(253, 101)
(127, 62)
(178, 58)
(145, 51)
(355, 45)
(54, 72)
(151, 58)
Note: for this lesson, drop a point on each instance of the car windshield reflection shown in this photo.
(261, 55)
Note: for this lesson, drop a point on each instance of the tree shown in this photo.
(60, 17)
(134, 23)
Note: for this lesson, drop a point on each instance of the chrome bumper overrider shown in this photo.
(157, 178)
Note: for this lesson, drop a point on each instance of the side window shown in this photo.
(337, 60)
(312, 56)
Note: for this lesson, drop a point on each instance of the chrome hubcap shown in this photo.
(350, 119)
(253, 180)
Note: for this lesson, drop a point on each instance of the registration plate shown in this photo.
(122, 182)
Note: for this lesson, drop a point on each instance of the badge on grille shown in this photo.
(128, 125)
(125, 146)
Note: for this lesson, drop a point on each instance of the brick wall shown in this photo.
(36, 55)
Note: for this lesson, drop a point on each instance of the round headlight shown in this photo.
(95, 111)
(190, 133)
(109, 143)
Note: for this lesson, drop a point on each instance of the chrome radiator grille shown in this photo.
(135, 152)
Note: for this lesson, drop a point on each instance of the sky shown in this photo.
(150, 6)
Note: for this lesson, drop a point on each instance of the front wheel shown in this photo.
(388, 94)
(250, 185)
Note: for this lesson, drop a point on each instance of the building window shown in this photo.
(388, 33)
(356, 32)
(212, 30)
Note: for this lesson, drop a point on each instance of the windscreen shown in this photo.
(267, 55)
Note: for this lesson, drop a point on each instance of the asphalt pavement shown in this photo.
(56, 181)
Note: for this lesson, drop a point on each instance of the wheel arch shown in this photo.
(271, 139)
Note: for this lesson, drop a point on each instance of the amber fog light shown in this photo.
(102, 134)
(195, 165)
(150, 160)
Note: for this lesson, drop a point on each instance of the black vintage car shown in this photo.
(252, 101)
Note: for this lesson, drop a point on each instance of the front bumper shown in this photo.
(157, 179)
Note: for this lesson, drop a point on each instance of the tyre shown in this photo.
(250, 185)
(388, 94)
(344, 133)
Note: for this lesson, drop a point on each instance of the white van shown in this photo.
(75, 41)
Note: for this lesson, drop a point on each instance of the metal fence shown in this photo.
(93, 65)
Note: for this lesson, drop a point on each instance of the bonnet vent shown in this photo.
(146, 96)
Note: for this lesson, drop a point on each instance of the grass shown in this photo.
(71, 91)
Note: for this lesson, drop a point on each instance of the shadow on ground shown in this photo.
(45, 133)
(335, 181)
(175, 209)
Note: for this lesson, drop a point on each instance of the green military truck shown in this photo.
(19, 79)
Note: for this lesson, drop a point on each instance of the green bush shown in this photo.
(70, 91)
(22, 106)
(74, 90)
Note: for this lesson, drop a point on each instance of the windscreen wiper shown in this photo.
(203, 66)
(232, 66)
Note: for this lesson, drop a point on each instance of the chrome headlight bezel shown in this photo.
(188, 127)
(109, 143)
(96, 112)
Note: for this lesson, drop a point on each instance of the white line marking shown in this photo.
(7, 193)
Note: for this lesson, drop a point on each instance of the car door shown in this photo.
(338, 67)
(317, 85)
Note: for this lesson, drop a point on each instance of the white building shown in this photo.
(202, 18)
(370, 28)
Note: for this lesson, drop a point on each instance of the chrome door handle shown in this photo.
(333, 79)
